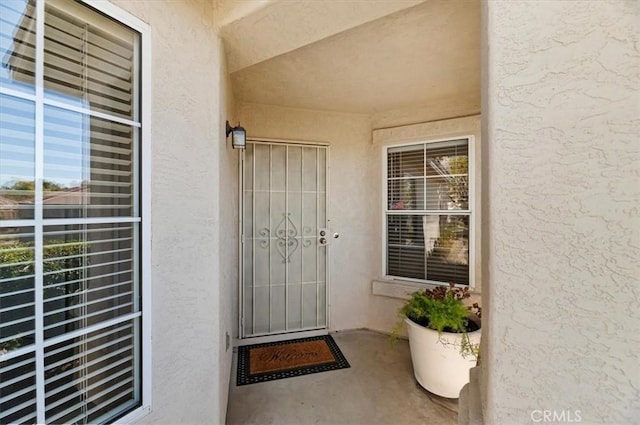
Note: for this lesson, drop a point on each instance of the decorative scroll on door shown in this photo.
(287, 236)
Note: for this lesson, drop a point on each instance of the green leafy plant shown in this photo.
(443, 310)
(440, 309)
(63, 261)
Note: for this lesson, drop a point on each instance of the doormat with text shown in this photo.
(285, 359)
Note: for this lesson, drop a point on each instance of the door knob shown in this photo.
(323, 241)
(336, 235)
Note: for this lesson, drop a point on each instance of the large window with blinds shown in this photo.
(72, 348)
(428, 212)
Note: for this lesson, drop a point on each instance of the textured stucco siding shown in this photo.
(561, 92)
(190, 272)
(228, 239)
(351, 204)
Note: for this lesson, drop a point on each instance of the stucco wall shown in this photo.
(386, 297)
(228, 237)
(189, 160)
(352, 207)
(561, 89)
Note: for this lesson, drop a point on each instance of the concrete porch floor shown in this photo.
(379, 388)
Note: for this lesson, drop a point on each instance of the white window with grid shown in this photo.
(74, 326)
(428, 209)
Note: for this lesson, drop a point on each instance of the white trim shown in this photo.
(473, 210)
(144, 168)
(134, 415)
(19, 94)
(241, 160)
(146, 177)
(70, 221)
(38, 215)
(411, 281)
(317, 199)
(302, 221)
(17, 223)
(470, 212)
(327, 212)
(261, 339)
(401, 288)
(85, 14)
(384, 204)
(286, 142)
(395, 289)
(68, 107)
(17, 352)
(423, 140)
(87, 330)
(119, 15)
(428, 212)
(286, 232)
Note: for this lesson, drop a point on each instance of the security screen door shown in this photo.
(284, 238)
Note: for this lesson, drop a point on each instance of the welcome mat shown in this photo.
(285, 359)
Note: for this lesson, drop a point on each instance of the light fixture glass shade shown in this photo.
(238, 138)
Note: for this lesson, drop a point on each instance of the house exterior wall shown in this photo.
(561, 85)
(351, 206)
(228, 240)
(192, 273)
(387, 297)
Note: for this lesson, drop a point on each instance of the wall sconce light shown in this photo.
(238, 136)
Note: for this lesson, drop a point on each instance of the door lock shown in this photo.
(322, 239)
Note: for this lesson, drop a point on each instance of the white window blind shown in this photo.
(427, 212)
(70, 215)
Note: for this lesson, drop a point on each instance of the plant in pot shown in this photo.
(444, 338)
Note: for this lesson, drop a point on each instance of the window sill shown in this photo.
(134, 416)
(402, 289)
(396, 288)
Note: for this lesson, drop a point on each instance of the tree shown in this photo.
(28, 186)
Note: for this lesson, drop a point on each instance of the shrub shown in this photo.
(440, 309)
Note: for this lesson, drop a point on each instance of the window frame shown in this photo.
(143, 158)
(472, 207)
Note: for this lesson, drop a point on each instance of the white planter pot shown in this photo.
(437, 363)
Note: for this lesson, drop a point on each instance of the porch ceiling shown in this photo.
(425, 56)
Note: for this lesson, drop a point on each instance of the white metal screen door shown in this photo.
(284, 238)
